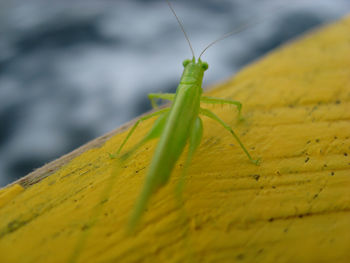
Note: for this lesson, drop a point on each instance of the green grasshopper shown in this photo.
(176, 126)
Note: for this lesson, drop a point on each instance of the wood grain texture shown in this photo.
(294, 207)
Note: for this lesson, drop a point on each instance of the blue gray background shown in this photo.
(71, 71)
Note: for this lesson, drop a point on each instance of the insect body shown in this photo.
(176, 126)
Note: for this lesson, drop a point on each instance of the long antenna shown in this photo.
(182, 28)
(235, 31)
(238, 30)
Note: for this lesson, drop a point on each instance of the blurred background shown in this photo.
(71, 71)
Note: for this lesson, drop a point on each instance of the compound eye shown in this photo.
(186, 62)
(205, 65)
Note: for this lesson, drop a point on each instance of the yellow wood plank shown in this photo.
(7, 194)
(294, 207)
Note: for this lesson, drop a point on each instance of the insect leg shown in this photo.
(146, 117)
(163, 96)
(153, 133)
(194, 141)
(213, 116)
(212, 100)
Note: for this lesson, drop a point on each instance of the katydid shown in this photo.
(176, 126)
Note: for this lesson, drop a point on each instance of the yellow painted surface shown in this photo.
(7, 194)
(294, 207)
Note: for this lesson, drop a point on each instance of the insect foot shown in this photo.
(257, 161)
(112, 156)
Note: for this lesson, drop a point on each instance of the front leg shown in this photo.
(162, 96)
(133, 128)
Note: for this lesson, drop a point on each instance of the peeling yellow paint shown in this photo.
(294, 207)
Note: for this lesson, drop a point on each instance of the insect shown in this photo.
(176, 126)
